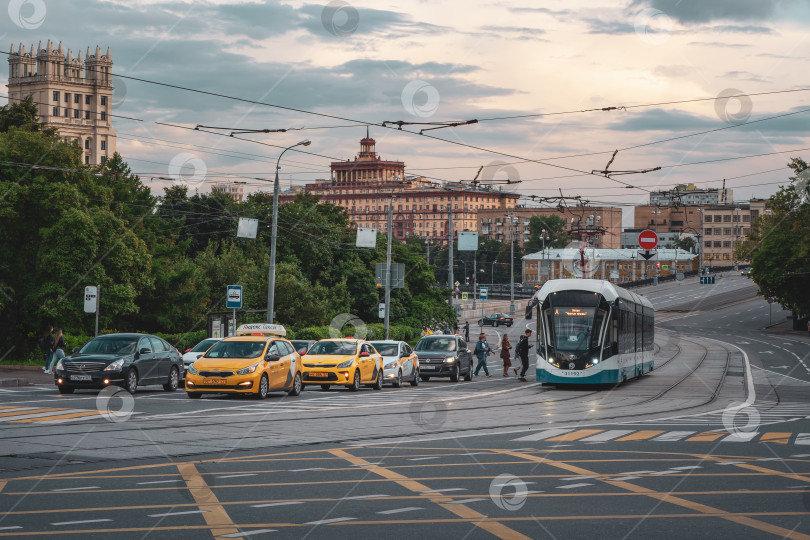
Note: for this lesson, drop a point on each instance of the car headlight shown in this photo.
(115, 366)
(347, 363)
(249, 369)
(59, 366)
(449, 359)
(391, 365)
(192, 369)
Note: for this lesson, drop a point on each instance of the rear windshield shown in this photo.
(204, 345)
(110, 345)
(236, 349)
(333, 347)
(387, 349)
(436, 344)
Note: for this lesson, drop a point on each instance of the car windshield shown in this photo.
(111, 345)
(436, 344)
(204, 345)
(386, 349)
(333, 348)
(300, 344)
(236, 349)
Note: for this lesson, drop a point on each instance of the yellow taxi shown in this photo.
(345, 362)
(256, 361)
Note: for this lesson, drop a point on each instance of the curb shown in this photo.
(14, 382)
(12, 367)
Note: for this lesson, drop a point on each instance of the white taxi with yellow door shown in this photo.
(256, 361)
(400, 363)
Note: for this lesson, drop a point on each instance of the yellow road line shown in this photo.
(707, 436)
(576, 435)
(214, 513)
(479, 520)
(56, 417)
(30, 411)
(640, 436)
(671, 499)
(776, 437)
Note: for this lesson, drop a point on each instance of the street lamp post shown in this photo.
(492, 274)
(271, 276)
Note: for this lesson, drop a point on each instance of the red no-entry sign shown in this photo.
(647, 239)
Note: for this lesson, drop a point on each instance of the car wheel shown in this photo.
(326, 386)
(66, 389)
(174, 378)
(356, 384)
(132, 381)
(415, 380)
(480, 322)
(297, 386)
(264, 386)
(424, 378)
(378, 384)
(495, 324)
(454, 375)
(194, 395)
(398, 380)
(468, 377)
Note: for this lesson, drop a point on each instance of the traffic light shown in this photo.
(658, 265)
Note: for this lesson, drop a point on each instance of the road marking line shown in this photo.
(571, 486)
(776, 437)
(248, 533)
(310, 469)
(76, 489)
(328, 521)
(422, 458)
(576, 435)
(356, 497)
(743, 436)
(606, 435)
(546, 433)
(476, 518)
(18, 527)
(707, 436)
(802, 439)
(442, 490)
(465, 501)
(623, 478)
(640, 436)
(167, 514)
(215, 516)
(283, 503)
(80, 522)
(56, 418)
(159, 482)
(235, 475)
(671, 499)
(673, 436)
(400, 510)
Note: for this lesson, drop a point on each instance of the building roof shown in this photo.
(625, 254)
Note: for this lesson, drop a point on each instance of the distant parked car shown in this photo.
(745, 272)
(496, 319)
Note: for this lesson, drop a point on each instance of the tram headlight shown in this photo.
(595, 361)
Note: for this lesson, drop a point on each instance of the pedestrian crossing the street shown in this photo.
(594, 436)
(44, 415)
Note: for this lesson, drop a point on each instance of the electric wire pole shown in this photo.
(388, 266)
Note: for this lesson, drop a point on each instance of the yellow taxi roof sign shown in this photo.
(261, 329)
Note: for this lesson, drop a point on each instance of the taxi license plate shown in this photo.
(81, 378)
(215, 381)
(318, 374)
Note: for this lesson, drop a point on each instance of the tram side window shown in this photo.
(639, 330)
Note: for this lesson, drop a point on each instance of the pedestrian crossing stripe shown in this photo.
(30, 415)
(623, 435)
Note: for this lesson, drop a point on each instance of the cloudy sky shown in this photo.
(530, 72)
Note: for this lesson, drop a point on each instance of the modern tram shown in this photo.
(591, 331)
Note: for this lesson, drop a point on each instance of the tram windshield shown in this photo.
(576, 321)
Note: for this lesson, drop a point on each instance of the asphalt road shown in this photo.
(714, 442)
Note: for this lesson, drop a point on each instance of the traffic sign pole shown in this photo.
(98, 302)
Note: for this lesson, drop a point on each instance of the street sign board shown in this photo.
(247, 228)
(647, 239)
(680, 276)
(397, 275)
(647, 254)
(770, 299)
(468, 240)
(382, 310)
(464, 296)
(707, 280)
(483, 293)
(614, 274)
(90, 294)
(234, 298)
(366, 237)
(664, 267)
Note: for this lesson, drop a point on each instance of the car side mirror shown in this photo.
(188, 350)
(364, 353)
(302, 352)
(272, 358)
(145, 350)
(75, 350)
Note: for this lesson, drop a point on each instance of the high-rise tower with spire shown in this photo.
(72, 95)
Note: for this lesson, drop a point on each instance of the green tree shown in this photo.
(22, 115)
(554, 227)
(779, 246)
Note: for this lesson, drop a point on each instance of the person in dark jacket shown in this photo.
(59, 347)
(522, 350)
(506, 349)
(481, 351)
(46, 344)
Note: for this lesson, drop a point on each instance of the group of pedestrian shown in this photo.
(482, 350)
(53, 346)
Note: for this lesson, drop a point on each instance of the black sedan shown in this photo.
(443, 355)
(496, 319)
(126, 360)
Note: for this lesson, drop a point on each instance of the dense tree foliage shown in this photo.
(779, 244)
(163, 263)
(552, 228)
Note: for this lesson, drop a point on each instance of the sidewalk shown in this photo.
(23, 376)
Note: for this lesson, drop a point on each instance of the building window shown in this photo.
(103, 100)
(67, 112)
(103, 159)
(67, 97)
(56, 111)
(103, 115)
(87, 115)
(717, 244)
(727, 218)
(103, 145)
(727, 244)
(87, 160)
(75, 113)
(87, 100)
(708, 232)
(87, 144)
(77, 98)
(727, 231)
(55, 95)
